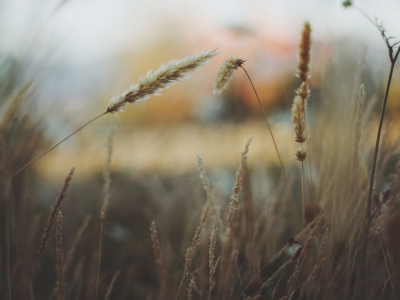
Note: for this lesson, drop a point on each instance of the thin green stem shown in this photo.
(47, 151)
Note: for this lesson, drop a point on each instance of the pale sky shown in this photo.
(84, 30)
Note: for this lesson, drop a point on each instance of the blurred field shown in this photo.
(232, 226)
(171, 150)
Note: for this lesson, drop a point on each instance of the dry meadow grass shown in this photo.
(297, 226)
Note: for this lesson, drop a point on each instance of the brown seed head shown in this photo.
(300, 154)
(303, 68)
(299, 120)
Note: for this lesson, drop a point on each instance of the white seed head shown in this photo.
(166, 75)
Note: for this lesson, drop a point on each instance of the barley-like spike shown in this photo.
(166, 75)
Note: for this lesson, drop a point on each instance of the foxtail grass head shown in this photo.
(153, 83)
(299, 106)
(225, 73)
(303, 68)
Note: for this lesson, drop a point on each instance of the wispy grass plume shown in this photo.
(238, 185)
(166, 75)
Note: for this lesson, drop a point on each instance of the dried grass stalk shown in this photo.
(275, 290)
(192, 249)
(207, 186)
(212, 264)
(192, 285)
(111, 286)
(50, 222)
(384, 289)
(106, 198)
(157, 251)
(312, 278)
(60, 269)
(77, 278)
(166, 75)
(359, 118)
(275, 277)
(238, 185)
(225, 73)
(303, 68)
(107, 178)
(72, 250)
(304, 250)
(190, 252)
(229, 276)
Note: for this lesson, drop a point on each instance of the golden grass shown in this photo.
(243, 245)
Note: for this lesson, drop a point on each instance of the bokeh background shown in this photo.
(77, 54)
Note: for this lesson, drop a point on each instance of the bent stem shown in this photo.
(273, 139)
(43, 154)
(266, 120)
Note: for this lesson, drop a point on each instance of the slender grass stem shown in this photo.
(387, 266)
(98, 264)
(8, 244)
(378, 137)
(273, 140)
(47, 151)
(266, 121)
(302, 193)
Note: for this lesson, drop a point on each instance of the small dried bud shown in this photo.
(300, 154)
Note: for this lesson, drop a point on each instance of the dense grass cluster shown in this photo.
(323, 230)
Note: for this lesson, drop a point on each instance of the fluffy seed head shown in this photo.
(299, 119)
(225, 73)
(166, 75)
